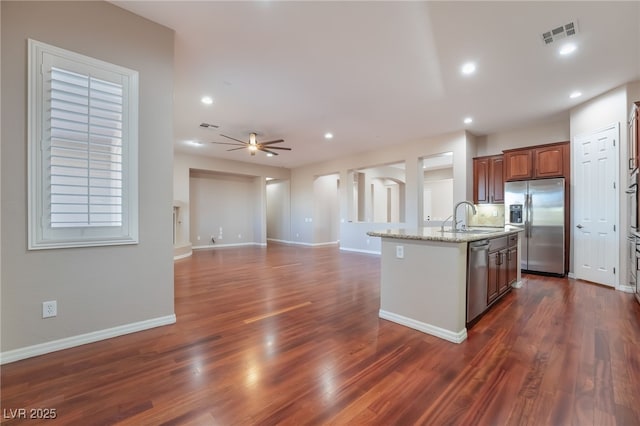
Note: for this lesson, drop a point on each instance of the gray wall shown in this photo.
(278, 210)
(101, 287)
(184, 164)
(325, 219)
(223, 206)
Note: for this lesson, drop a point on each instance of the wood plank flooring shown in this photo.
(290, 335)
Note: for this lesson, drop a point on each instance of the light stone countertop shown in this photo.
(434, 234)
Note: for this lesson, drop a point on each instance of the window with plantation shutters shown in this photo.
(83, 150)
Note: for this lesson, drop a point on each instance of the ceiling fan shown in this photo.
(253, 145)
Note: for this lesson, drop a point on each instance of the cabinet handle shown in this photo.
(631, 160)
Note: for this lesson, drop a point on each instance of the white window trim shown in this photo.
(40, 234)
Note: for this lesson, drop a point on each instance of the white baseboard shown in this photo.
(451, 336)
(517, 284)
(571, 275)
(182, 256)
(83, 339)
(360, 251)
(217, 245)
(300, 243)
(626, 289)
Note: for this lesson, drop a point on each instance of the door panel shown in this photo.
(596, 206)
(492, 283)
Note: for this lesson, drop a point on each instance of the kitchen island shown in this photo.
(424, 278)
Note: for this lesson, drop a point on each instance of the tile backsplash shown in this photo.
(487, 215)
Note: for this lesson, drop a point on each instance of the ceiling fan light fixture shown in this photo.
(252, 139)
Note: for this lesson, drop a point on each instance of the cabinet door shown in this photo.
(512, 265)
(503, 264)
(492, 282)
(496, 183)
(518, 165)
(549, 161)
(480, 180)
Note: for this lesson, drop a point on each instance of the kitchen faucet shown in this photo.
(455, 210)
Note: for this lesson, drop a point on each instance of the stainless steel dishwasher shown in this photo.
(477, 272)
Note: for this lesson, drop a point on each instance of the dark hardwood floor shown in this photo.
(291, 335)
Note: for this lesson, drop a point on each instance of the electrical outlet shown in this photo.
(198, 237)
(49, 309)
(239, 236)
(400, 252)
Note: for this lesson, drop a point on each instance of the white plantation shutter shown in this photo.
(83, 150)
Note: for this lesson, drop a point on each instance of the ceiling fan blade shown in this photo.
(280, 147)
(267, 151)
(233, 139)
(235, 149)
(271, 142)
(228, 143)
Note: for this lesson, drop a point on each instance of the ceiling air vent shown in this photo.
(560, 32)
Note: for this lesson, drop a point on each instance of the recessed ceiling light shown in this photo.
(468, 68)
(567, 49)
(269, 155)
(328, 135)
(207, 100)
(468, 120)
(575, 94)
(193, 143)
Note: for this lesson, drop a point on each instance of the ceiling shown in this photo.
(381, 73)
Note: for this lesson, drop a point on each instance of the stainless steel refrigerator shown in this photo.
(537, 206)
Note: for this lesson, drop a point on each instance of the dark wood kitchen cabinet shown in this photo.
(537, 162)
(512, 259)
(488, 180)
(498, 274)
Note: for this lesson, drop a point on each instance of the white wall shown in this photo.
(530, 135)
(96, 288)
(438, 194)
(353, 235)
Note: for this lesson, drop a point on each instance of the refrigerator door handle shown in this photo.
(527, 207)
(530, 212)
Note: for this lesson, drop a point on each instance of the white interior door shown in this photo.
(595, 209)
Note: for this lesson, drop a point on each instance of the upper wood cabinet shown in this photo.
(488, 179)
(537, 162)
(518, 164)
